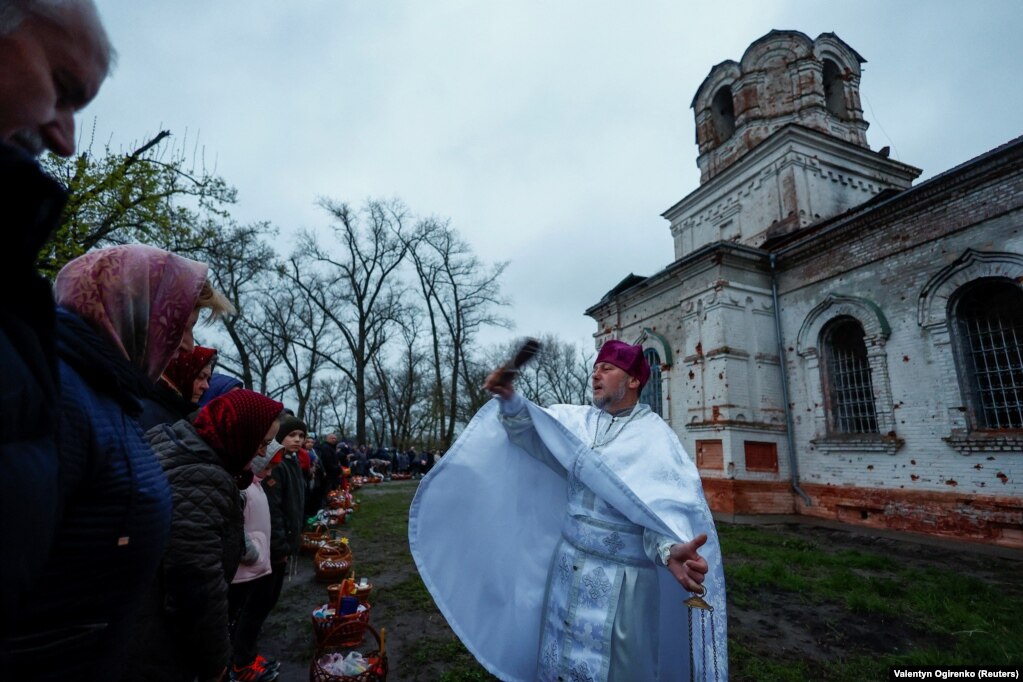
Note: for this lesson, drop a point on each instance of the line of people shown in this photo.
(147, 523)
(148, 531)
(382, 461)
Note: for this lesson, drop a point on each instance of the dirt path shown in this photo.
(400, 604)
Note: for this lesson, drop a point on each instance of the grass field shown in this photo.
(939, 609)
(851, 608)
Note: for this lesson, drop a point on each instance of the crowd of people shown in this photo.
(150, 509)
(386, 463)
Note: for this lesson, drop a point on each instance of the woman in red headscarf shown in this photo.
(188, 374)
(184, 632)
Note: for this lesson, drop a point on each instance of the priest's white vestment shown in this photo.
(537, 539)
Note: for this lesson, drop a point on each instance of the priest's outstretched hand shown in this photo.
(499, 383)
(688, 567)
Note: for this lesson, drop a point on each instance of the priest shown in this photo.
(562, 543)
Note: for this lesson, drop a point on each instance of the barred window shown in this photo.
(651, 393)
(849, 393)
(989, 324)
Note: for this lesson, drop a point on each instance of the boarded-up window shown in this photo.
(761, 456)
(709, 454)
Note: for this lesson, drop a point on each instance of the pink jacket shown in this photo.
(257, 529)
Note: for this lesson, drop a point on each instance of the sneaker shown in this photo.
(253, 672)
(271, 664)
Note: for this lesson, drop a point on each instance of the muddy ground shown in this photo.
(400, 604)
(421, 647)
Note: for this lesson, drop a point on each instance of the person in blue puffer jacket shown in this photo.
(115, 335)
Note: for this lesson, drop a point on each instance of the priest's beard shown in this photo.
(613, 399)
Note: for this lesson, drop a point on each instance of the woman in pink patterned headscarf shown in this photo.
(140, 297)
(122, 314)
(145, 301)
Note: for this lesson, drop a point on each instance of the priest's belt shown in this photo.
(615, 542)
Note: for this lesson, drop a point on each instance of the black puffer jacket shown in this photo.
(285, 493)
(32, 203)
(162, 405)
(184, 632)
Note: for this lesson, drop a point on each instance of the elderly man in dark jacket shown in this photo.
(34, 115)
(28, 392)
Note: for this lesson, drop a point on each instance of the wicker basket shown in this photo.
(376, 673)
(312, 540)
(334, 594)
(333, 561)
(341, 631)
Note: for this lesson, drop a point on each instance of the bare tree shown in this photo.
(564, 371)
(304, 338)
(402, 389)
(461, 295)
(244, 267)
(355, 284)
(331, 404)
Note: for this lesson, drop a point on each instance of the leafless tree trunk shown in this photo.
(402, 391)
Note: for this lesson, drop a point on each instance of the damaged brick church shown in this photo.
(832, 340)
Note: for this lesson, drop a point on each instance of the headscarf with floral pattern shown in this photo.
(140, 297)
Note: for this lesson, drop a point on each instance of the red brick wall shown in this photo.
(990, 519)
(917, 218)
(730, 496)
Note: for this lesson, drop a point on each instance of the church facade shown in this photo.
(831, 339)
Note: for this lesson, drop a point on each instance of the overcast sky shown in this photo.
(552, 134)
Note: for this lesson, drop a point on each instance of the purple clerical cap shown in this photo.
(626, 357)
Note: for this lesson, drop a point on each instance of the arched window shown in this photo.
(988, 325)
(651, 393)
(834, 89)
(723, 113)
(849, 392)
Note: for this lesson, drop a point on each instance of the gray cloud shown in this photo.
(552, 134)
